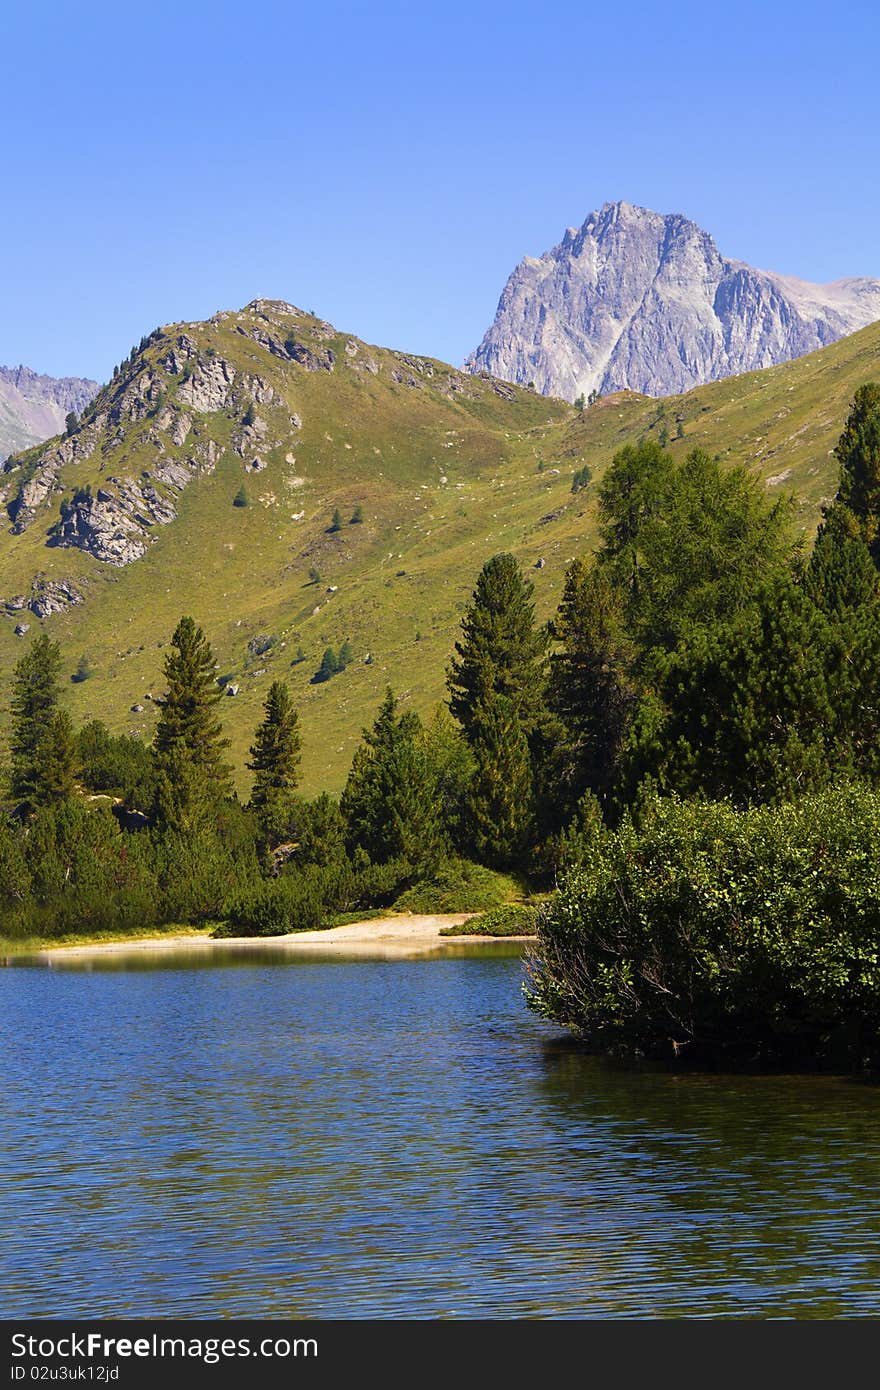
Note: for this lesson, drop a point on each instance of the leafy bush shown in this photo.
(116, 763)
(753, 934)
(458, 885)
(303, 900)
(513, 919)
(312, 896)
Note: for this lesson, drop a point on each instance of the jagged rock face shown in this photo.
(34, 407)
(639, 301)
(209, 388)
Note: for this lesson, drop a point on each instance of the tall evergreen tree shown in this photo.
(275, 755)
(390, 800)
(699, 545)
(501, 806)
(57, 761)
(497, 684)
(501, 651)
(858, 453)
(591, 689)
(840, 575)
(36, 686)
(633, 491)
(189, 740)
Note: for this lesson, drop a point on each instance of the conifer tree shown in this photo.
(590, 689)
(501, 651)
(189, 740)
(329, 666)
(57, 761)
(275, 755)
(390, 801)
(840, 575)
(496, 687)
(858, 453)
(501, 805)
(35, 693)
(633, 491)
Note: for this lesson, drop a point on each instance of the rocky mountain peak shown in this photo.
(639, 300)
(33, 407)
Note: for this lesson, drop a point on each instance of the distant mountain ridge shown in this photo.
(637, 300)
(34, 407)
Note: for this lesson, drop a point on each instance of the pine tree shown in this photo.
(496, 687)
(501, 651)
(35, 692)
(189, 740)
(57, 761)
(633, 491)
(858, 453)
(500, 806)
(390, 801)
(346, 655)
(590, 690)
(336, 523)
(275, 755)
(328, 667)
(840, 574)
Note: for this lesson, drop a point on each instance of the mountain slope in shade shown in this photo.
(635, 300)
(34, 407)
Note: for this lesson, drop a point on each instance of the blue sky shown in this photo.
(387, 164)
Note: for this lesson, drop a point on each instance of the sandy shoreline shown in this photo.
(379, 938)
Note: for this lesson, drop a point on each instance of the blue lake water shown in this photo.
(396, 1139)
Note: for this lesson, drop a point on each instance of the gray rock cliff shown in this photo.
(640, 301)
(34, 407)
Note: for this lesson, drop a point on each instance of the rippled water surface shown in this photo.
(402, 1139)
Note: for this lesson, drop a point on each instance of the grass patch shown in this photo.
(513, 919)
(461, 886)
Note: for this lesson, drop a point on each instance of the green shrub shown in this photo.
(458, 885)
(308, 897)
(513, 919)
(303, 900)
(708, 932)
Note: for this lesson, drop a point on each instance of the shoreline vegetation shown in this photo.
(675, 783)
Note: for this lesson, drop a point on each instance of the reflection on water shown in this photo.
(259, 951)
(401, 1139)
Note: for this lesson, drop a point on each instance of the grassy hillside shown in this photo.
(446, 468)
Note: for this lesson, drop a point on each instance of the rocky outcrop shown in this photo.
(104, 526)
(635, 300)
(35, 407)
(290, 348)
(209, 387)
(113, 525)
(34, 491)
(47, 596)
